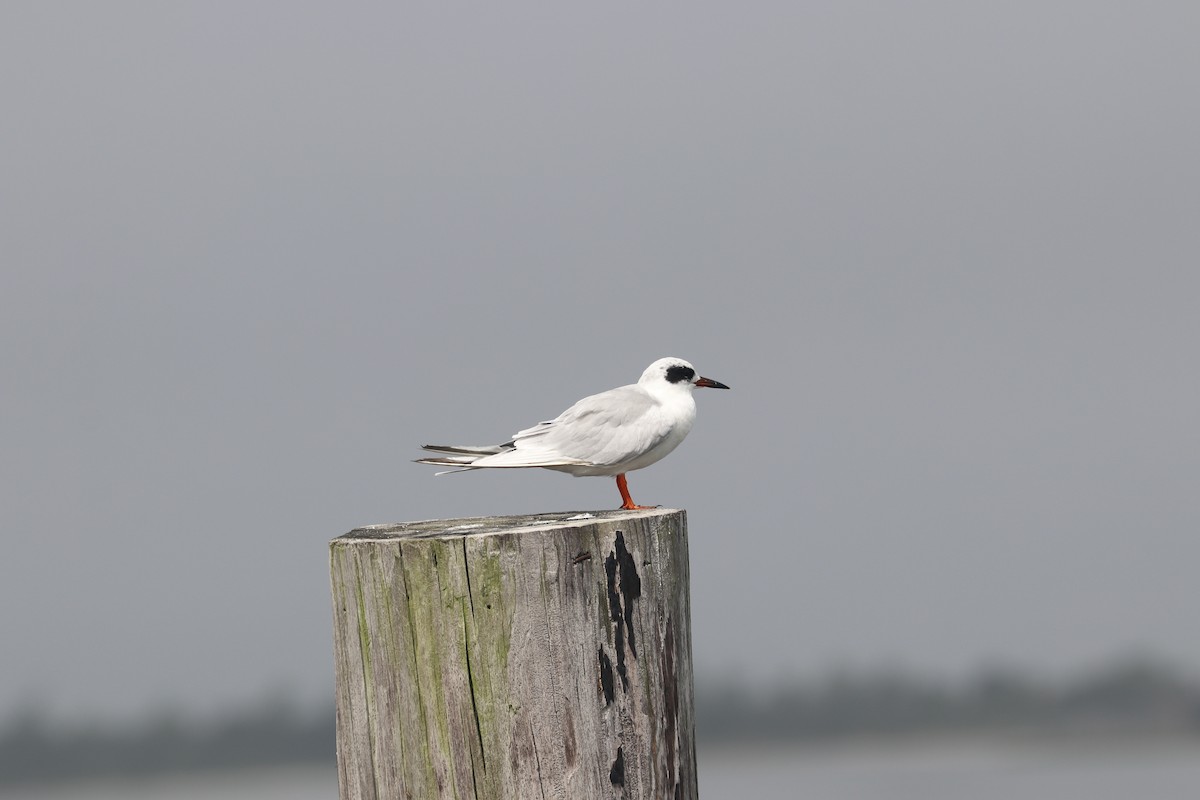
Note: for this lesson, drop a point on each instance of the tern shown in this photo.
(611, 433)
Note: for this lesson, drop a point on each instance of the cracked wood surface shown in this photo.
(543, 656)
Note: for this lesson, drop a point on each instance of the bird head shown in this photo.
(676, 372)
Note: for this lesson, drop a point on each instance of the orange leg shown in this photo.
(628, 504)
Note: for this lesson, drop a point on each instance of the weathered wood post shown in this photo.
(544, 656)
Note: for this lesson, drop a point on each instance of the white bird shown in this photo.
(611, 433)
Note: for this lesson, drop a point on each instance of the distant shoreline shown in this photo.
(1134, 703)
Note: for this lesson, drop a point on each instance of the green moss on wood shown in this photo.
(438, 622)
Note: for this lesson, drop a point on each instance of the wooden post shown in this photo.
(544, 656)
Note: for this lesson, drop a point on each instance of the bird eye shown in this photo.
(679, 373)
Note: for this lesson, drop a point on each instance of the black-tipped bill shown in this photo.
(709, 383)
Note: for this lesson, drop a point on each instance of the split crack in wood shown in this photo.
(535, 658)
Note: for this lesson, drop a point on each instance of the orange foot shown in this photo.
(628, 504)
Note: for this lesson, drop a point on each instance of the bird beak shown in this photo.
(709, 383)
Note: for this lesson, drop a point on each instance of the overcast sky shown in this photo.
(253, 254)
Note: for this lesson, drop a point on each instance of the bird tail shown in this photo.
(465, 450)
(500, 455)
(463, 466)
(461, 456)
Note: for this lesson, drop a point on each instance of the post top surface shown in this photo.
(470, 526)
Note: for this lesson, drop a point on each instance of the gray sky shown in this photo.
(947, 256)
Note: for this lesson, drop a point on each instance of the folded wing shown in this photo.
(613, 427)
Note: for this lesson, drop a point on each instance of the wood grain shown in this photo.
(544, 656)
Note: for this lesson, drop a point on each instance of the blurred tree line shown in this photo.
(275, 733)
(1136, 698)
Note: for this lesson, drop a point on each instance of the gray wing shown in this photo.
(607, 428)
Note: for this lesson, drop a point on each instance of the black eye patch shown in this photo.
(680, 373)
